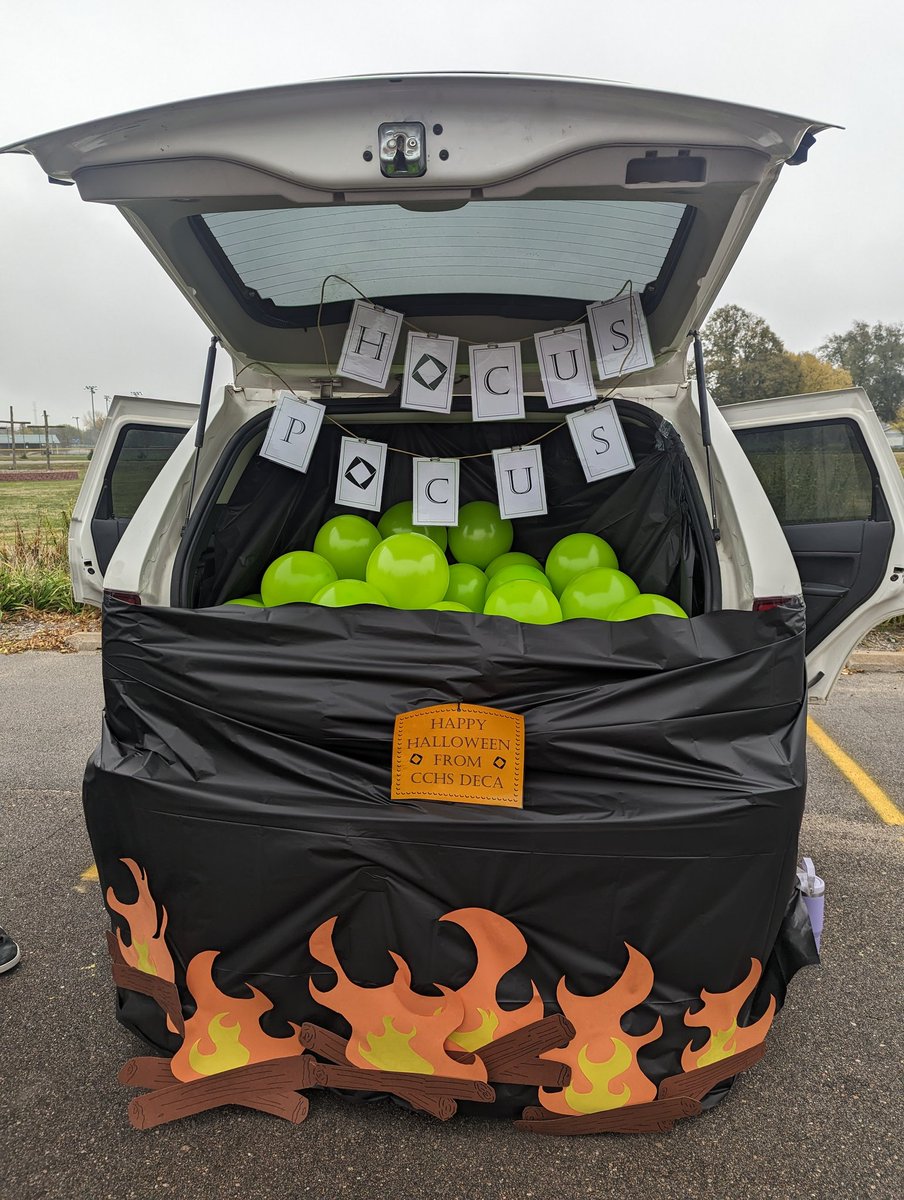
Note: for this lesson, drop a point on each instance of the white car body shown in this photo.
(175, 169)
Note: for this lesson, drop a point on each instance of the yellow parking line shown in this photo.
(91, 874)
(855, 774)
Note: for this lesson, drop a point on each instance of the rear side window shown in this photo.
(141, 454)
(812, 473)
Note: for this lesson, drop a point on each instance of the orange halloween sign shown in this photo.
(462, 753)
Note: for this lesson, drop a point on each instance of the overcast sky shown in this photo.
(82, 302)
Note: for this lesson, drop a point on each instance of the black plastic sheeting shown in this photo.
(245, 765)
(646, 514)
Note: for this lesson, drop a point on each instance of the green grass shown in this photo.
(34, 522)
(27, 505)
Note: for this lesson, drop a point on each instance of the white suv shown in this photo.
(520, 199)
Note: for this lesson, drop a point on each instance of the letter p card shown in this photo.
(292, 431)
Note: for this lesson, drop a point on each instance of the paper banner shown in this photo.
(620, 336)
(435, 491)
(370, 343)
(564, 363)
(519, 482)
(600, 441)
(496, 390)
(362, 466)
(292, 432)
(429, 374)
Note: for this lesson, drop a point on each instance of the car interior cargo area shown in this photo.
(254, 510)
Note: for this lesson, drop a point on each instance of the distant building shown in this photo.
(32, 440)
(895, 437)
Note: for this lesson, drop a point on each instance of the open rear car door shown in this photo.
(830, 474)
(137, 439)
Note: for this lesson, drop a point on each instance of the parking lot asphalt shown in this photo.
(821, 1116)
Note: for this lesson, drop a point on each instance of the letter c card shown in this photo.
(435, 491)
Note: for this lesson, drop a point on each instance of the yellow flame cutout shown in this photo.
(228, 1054)
(144, 959)
(390, 1051)
(599, 1098)
(472, 1039)
(722, 1045)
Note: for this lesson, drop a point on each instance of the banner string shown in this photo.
(628, 284)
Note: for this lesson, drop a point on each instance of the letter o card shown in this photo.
(564, 363)
(292, 431)
(462, 753)
(362, 466)
(519, 482)
(429, 374)
(600, 441)
(435, 491)
(496, 390)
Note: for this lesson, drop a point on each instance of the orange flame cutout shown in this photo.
(147, 949)
(720, 1014)
(605, 1073)
(500, 947)
(393, 1027)
(225, 1032)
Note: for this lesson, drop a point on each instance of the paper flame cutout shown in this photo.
(720, 1013)
(500, 946)
(393, 1027)
(225, 1031)
(605, 1073)
(147, 949)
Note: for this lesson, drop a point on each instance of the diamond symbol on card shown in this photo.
(360, 473)
(429, 372)
(498, 762)
(416, 759)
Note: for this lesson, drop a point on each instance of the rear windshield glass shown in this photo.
(572, 249)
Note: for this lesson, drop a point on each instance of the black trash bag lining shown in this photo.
(654, 516)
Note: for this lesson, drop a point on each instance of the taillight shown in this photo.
(125, 597)
(767, 603)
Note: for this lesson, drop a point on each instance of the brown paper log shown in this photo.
(500, 1057)
(269, 1086)
(328, 1045)
(162, 991)
(514, 1058)
(657, 1116)
(416, 1089)
(700, 1081)
(147, 1073)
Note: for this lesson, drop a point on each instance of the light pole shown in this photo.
(92, 388)
(108, 399)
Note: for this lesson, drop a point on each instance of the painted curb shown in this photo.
(890, 661)
(83, 641)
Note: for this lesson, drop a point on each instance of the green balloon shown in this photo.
(575, 555)
(597, 594)
(509, 560)
(345, 592)
(347, 542)
(517, 571)
(467, 586)
(449, 606)
(524, 600)
(481, 534)
(250, 601)
(410, 570)
(648, 604)
(398, 519)
(295, 577)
